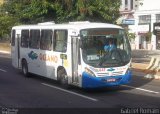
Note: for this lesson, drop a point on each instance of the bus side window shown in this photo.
(25, 38)
(13, 38)
(34, 39)
(60, 40)
(46, 39)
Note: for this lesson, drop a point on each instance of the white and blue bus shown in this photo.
(73, 53)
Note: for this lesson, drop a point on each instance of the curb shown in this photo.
(149, 70)
(146, 75)
(5, 52)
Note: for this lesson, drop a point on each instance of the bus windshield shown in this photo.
(97, 50)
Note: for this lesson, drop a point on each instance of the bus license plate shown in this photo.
(111, 80)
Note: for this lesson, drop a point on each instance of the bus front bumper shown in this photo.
(98, 82)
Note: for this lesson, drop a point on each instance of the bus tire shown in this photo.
(25, 68)
(63, 78)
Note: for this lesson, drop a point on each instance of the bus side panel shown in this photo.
(48, 61)
(34, 62)
(41, 62)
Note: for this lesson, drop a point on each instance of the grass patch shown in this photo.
(5, 47)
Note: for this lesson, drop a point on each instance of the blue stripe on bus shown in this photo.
(97, 82)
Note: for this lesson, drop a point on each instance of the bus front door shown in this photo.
(75, 60)
(15, 50)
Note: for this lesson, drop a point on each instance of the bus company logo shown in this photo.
(110, 69)
(32, 55)
(49, 58)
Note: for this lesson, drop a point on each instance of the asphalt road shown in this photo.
(28, 95)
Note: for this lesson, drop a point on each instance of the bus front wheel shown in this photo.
(63, 78)
(25, 68)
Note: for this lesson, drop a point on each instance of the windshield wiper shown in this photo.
(103, 59)
(110, 55)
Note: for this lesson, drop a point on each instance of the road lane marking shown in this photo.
(146, 90)
(71, 92)
(3, 70)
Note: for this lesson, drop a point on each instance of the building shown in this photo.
(145, 17)
(142, 17)
(126, 11)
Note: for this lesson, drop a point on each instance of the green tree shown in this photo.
(92, 10)
(6, 23)
(33, 11)
(131, 36)
(148, 36)
(59, 11)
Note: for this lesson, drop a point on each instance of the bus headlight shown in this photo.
(88, 71)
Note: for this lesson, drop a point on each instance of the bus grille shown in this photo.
(117, 73)
(113, 74)
(102, 74)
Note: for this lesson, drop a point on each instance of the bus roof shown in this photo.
(70, 25)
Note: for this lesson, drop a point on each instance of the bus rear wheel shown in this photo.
(25, 68)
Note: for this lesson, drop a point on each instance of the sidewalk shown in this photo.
(141, 68)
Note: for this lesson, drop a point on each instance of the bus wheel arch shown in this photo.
(24, 67)
(62, 76)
